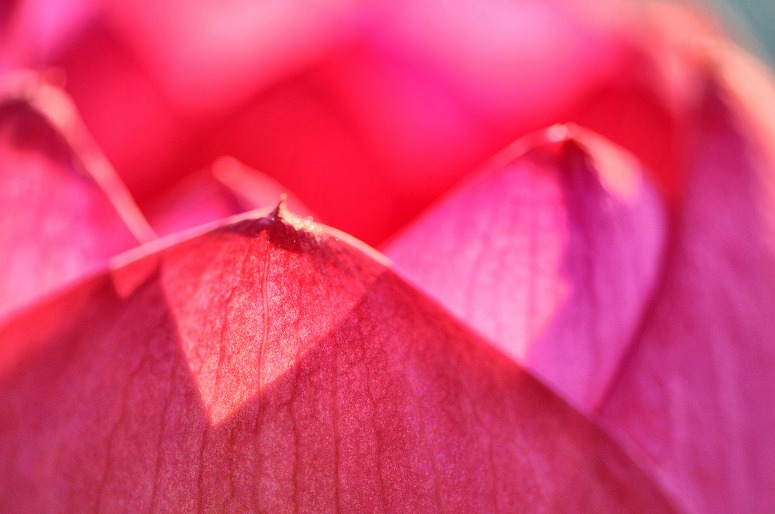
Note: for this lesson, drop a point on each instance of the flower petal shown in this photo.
(211, 56)
(30, 30)
(551, 253)
(277, 365)
(696, 395)
(368, 112)
(129, 117)
(63, 212)
(224, 189)
(647, 108)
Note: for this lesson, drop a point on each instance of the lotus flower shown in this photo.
(580, 322)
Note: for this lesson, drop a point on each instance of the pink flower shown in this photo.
(583, 324)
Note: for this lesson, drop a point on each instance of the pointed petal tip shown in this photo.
(336, 330)
(41, 94)
(64, 212)
(570, 148)
(551, 252)
(280, 210)
(225, 188)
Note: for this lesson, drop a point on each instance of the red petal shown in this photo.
(30, 30)
(696, 395)
(212, 56)
(132, 122)
(298, 134)
(275, 365)
(647, 107)
(63, 212)
(551, 253)
(437, 86)
(433, 73)
(224, 189)
(367, 112)
(634, 113)
(375, 132)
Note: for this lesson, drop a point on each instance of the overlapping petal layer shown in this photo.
(691, 387)
(224, 189)
(695, 395)
(552, 253)
(274, 365)
(63, 212)
(366, 111)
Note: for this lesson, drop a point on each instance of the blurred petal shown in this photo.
(647, 107)
(437, 87)
(132, 122)
(63, 212)
(31, 30)
(296, 133)
(224, 189)
(635, 113)
(276, 365)
(551, 253)
(367, 112)
(210, 55)
(696, 394)
(509, 62)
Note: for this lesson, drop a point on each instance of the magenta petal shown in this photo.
(551, 253)
(275, 365)
(63, 212)
(696, 395)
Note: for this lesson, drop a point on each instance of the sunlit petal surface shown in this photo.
(273, 365)
(552, 253)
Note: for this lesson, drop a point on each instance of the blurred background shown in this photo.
(367, 112)
(755, 20)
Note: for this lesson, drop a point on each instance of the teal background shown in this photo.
(753, 21)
